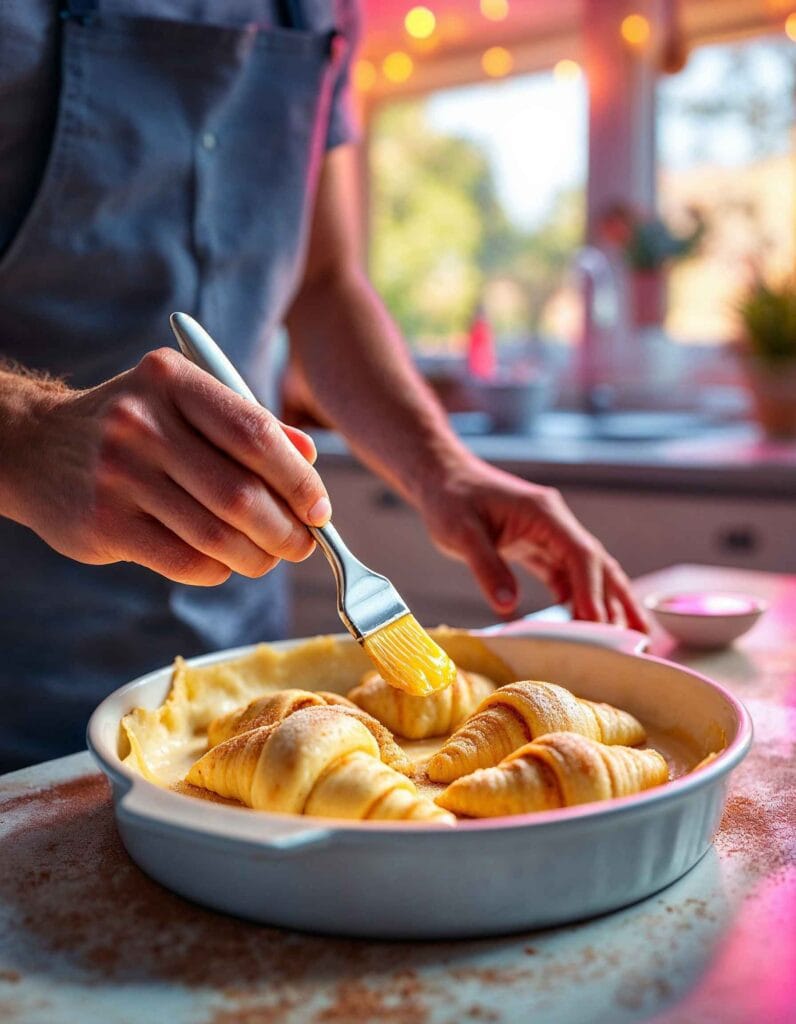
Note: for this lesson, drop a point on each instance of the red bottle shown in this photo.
(481, 347)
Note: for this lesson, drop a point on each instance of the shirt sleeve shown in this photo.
(343, 125)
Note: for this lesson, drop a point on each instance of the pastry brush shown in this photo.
(370, 607)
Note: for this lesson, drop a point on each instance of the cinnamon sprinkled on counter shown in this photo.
(74, 893)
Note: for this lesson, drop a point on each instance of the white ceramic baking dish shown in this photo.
(398, 880)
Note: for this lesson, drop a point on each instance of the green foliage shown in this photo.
(542, 257)
(440, 235)
(768, 314)
(426, 227)
(651, 243)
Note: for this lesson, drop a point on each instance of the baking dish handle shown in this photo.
(616, 638)
(147, 806)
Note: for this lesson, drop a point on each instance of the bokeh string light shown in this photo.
(364, 75)
(420, 22)
(567, 70)
(397, 67)
(635, 30)
(495, 10)
(497, 62)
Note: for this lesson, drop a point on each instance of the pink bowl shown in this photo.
(705, 618)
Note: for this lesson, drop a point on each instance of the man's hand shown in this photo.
(360, 379)
(488, 518)
(162, 466)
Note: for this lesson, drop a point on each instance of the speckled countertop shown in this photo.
(86, 937)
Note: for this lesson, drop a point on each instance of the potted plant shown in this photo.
(768, 353)
(649, 246)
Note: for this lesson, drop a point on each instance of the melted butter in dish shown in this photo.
(164, 742)
(161, 743)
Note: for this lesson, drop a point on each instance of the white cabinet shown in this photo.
(650, 530)
(645, 530)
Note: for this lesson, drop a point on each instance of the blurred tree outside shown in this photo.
(441, 241)
(727, 128)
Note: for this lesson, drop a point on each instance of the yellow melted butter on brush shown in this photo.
(408, 658)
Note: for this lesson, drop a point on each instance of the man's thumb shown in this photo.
(493, 574)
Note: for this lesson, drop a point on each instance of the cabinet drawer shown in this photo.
(645, 531)
(649, 531)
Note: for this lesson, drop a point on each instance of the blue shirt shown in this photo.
(151, 159)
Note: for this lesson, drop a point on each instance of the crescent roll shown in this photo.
(318, 761)
(560, 769)
(278, 705)
(514, 714)
(417, 718)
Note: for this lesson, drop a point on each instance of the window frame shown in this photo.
(594, 41)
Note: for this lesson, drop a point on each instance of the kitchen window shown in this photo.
(726, 128)
(483, 192)
(478, 199)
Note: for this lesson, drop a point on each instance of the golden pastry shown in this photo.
(560, 769)
(519, 712)
(271, 707)
(319, 760)
(274, 707)
(335, 698)
(159, 742)
(417, 718)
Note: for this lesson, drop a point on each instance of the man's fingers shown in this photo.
(552, 577)
(615, 609)
(302, 442)
(131, 480)
(618, 604)
(586, 577)
(493, 574)
(151, 544)
(234, 495)
(619, 588)
(197, 527)
(253, 437)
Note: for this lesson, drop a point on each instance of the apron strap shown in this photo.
(290, 14)
(82, 10)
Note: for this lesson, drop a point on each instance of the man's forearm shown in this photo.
(362, 380)
(22, 394)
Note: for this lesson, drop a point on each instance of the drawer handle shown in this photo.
(739, 539)
(387, 500)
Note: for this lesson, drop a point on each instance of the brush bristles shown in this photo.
(408, 658)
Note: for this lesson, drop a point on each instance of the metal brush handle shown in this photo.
(197, 345)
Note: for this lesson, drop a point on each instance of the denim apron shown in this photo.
(180, 176)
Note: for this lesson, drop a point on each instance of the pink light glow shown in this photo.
(756, 978)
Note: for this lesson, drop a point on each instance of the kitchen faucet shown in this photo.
(598, 288)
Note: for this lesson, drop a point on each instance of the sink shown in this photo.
(632, 425)
(639, 425)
